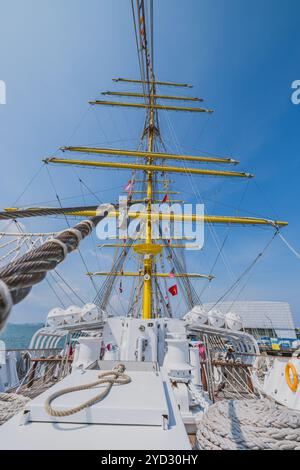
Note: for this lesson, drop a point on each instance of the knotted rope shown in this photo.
(248, 425)
(114, 377)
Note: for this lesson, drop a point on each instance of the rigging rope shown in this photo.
(67, 223)
(246, 271)
(289, 246)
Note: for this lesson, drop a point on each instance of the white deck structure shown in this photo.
(156, 410)
(139, 415)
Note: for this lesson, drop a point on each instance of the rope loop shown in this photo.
(119, 368)
(110, 378)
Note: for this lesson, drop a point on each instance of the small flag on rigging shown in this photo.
(173, 290)
(172, 274)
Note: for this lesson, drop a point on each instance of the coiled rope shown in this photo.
(10, 405)
(258, 424)
(110, 378)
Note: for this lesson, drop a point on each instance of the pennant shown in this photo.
(172, 274)
(166, 198)
(129, 185)
(173, 290)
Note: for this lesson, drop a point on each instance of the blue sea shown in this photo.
(18, 336)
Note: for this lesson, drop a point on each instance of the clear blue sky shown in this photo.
(241, 56)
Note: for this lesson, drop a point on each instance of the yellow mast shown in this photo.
(148, 260)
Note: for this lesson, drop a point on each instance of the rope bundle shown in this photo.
(10, 405)
(110, 378)
(248, 425)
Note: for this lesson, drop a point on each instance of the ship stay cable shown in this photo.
(221, 249)
(246, 271)
(68, 225)
(220, 253)
(18, 278)
(245, 284)
(197, 193)
(84, 202)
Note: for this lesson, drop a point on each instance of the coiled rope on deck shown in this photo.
(10, 405)
(258, 424)
(110, 378)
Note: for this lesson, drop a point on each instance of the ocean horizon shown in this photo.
(18, 335)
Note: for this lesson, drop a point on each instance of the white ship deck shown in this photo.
(43, 433)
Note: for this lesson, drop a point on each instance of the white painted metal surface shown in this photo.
(87, 351)
(72, 436)
(275, 384)
(124, 405)
(8, 370)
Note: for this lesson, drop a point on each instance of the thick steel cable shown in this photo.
(21, 214)
(18, 277)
